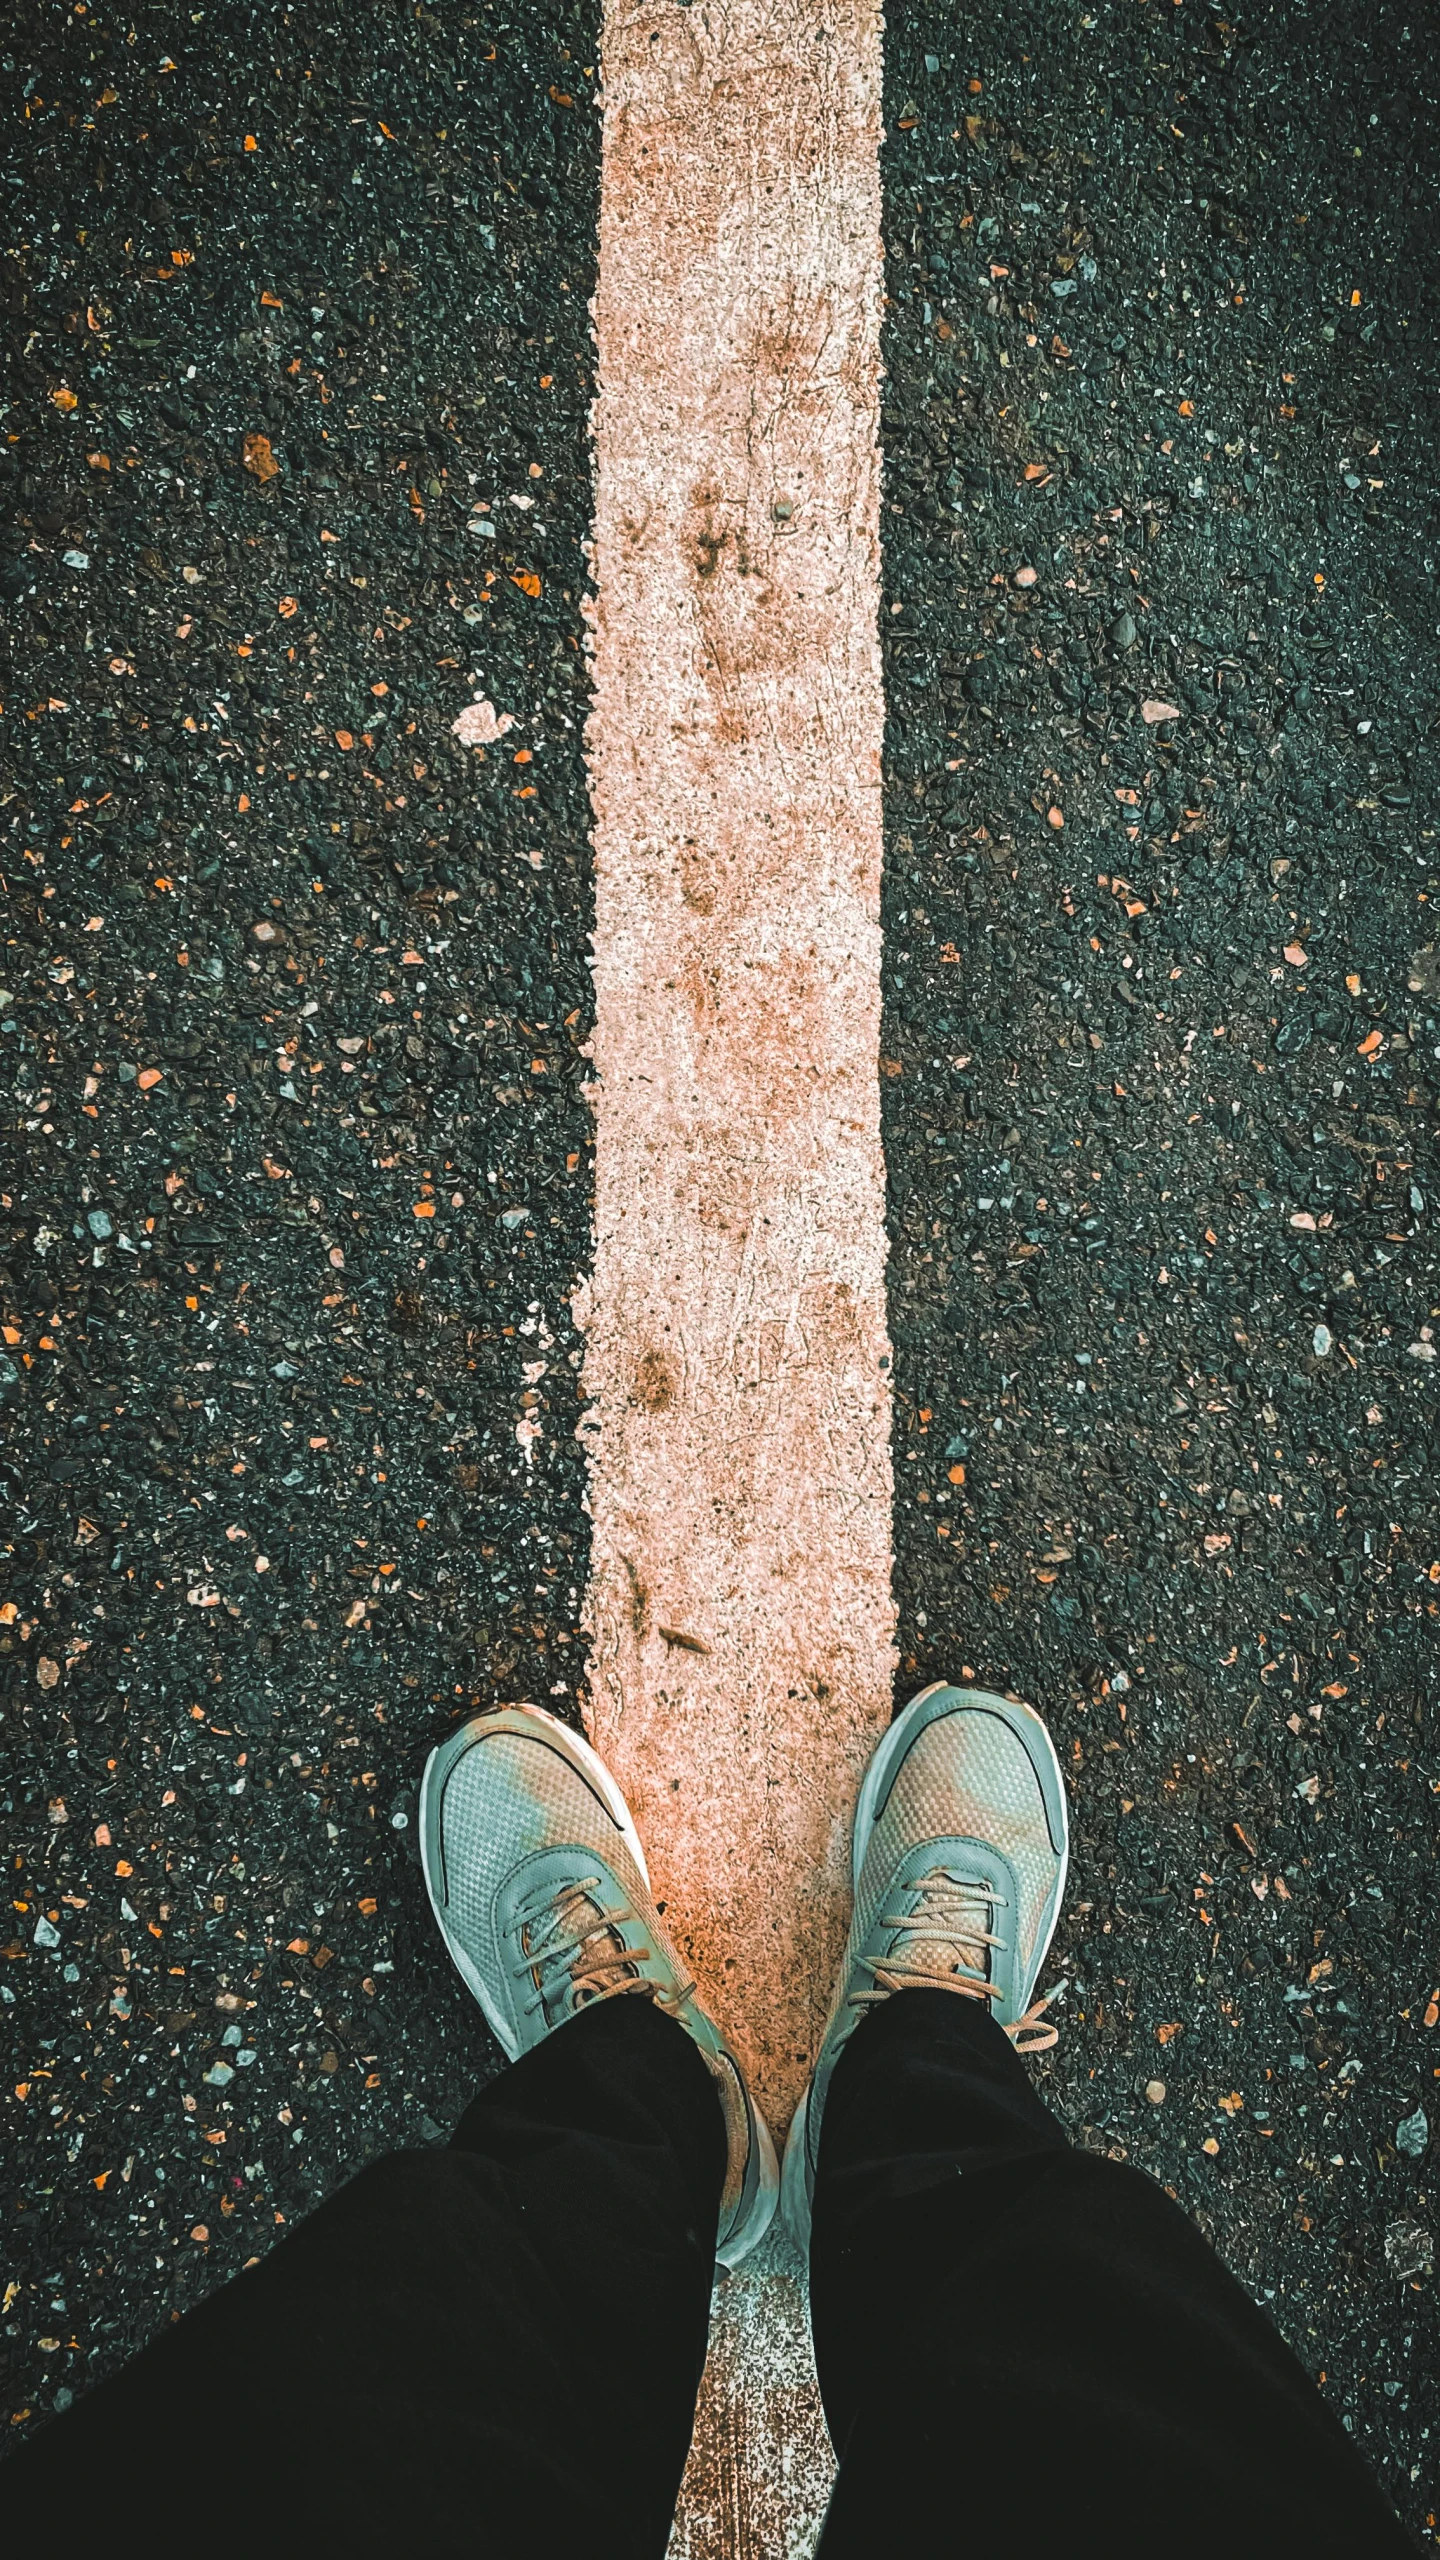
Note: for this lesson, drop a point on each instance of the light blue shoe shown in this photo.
(960, 1851)
(538, 1880)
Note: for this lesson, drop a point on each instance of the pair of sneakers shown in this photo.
(539, 1883)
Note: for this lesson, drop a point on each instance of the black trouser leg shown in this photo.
(490, 2349)
(1010, 2333)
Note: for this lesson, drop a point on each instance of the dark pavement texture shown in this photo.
(1161, 1275)
(293, 1475)
(1161, 1093)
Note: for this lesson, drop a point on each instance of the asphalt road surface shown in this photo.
(297, 1172)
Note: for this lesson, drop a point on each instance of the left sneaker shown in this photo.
(960, 1852)
(536, 1875)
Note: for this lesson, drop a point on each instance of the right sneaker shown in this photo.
(960, 1851)
(536, 1875)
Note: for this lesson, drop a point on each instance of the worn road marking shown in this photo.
(760, 2469)
(740, 1608)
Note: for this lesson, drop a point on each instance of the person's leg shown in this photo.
(1012, 2332)
(1009, 2332)
(491, 2348)
(497, 2346)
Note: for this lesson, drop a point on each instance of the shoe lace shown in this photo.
(954, 1916)
(571, 1947)
(572, 1950)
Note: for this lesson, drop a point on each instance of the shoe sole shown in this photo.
(586, 1760)
(1034, 1734)
(767, 2197)
(794, 2198)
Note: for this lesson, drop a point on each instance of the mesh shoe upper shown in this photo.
(960, 1857)
(968, 1774)
(517, 1816)
(538, 1880)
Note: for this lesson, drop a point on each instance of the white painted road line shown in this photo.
(740, 1607)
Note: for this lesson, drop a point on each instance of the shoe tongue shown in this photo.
(955, 1953)
(943, 1956)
